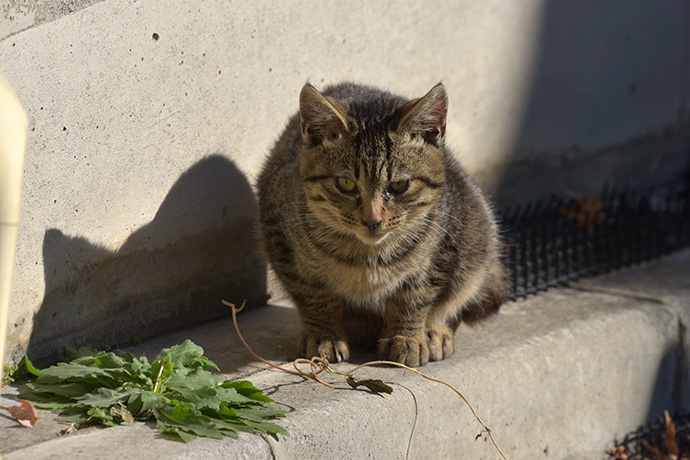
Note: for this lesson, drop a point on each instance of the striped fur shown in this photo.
(402, 258)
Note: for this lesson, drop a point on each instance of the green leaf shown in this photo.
(192, 380)
(101, 415)
(202, 398)
(187, 354)
(376, 386)
(175, 431)
(231, 433)
(137, 367)
(232, 396)
(30, 367)
(246, 388)
(233, 425)
(48, 402)
(101, 360)
(72, 354)
(75, 418)
(69, 389)
(103, 397)
(187, 418)
(258, 413)
(10, 374)
(142, 400)
(150, 399)
(73, 372)
(268, 428)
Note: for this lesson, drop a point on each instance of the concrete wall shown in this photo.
(149, 121)
(607, 100)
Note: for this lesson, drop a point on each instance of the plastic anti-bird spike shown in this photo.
(550, 243)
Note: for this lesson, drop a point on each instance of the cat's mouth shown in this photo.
(372, 237)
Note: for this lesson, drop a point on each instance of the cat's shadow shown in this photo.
(271, 331)
(169, 274)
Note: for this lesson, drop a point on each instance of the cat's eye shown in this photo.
(346, 185)
(398, 186)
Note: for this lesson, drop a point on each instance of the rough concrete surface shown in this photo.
(559, 375)
(150, 120)
(148, 123)
(18, 15)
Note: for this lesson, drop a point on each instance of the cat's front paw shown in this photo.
(410, 351)
(323, 345)
(440, 343)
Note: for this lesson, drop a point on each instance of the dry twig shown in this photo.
(318, 365)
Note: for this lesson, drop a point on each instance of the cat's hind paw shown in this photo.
(409, 351)
(323, 345)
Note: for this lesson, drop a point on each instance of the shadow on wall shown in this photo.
(169, 274)
(606, 101)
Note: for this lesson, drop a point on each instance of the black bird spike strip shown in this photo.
(564, 238)
(654, 432)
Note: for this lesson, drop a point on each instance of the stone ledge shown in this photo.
(559, 375)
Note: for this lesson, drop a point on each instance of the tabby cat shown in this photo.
(374, 229)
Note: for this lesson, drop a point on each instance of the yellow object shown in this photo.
(13, 131)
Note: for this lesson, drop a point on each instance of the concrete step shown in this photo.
(557, 376)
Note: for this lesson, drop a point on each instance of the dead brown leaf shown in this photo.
(658, 454)
(670, 439)
(669, 442)
(584, 211)
(618, 453)
(26, 414)
(121, 411)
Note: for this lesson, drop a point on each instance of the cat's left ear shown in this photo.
(426, 116)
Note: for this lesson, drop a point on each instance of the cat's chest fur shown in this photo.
(360, 277)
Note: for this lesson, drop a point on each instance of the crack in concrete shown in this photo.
(270, 446)
(416, 416)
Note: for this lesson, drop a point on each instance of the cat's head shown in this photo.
(372, 164)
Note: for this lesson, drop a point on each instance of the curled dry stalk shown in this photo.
(318, 365)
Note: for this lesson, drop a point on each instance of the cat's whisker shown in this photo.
(428, 223)
(300, 222)
(438, 229)
(321, 233)
(406, 236)
(310, 217)
(450, 216)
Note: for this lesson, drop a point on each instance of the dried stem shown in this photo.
(318, 365)
(418, 372)
(235, 311)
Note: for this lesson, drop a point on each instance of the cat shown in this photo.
(374, 229)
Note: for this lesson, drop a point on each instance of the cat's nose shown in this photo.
(372, 224)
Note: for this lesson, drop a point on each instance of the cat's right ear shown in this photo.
(322, 118)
